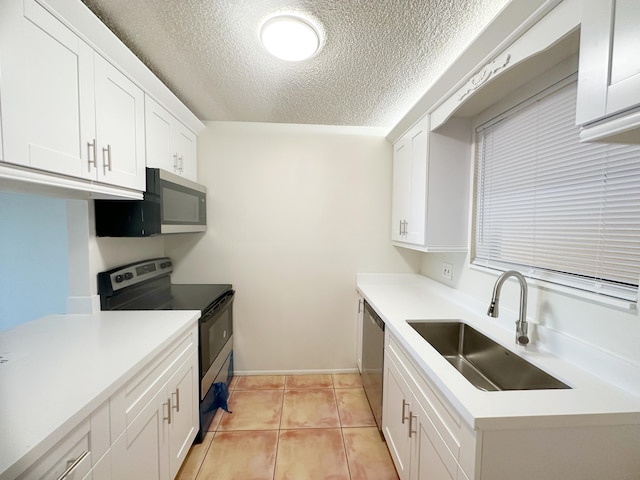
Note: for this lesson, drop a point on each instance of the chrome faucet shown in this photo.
(521, 324)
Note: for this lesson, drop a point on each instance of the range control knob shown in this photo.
(165, 264)
(119, 278)
(128, 276)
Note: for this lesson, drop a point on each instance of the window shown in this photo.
(553, 208)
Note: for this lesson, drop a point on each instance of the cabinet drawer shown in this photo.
(73, 453)
(445, 418)
(130, 400)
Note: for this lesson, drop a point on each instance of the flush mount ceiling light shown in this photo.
(290, 38)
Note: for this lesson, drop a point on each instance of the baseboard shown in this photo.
(296, 372)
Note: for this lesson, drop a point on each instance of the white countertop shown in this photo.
(590, 401)
(62, 367)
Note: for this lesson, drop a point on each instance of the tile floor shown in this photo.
(303, 427)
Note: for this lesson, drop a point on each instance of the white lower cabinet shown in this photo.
(77, 454)
(423, 433)
(138, 452)
(142, 432)
(359, 320)
(71, 455)
(160, 414)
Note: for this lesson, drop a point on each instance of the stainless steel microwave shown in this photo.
(171, 204)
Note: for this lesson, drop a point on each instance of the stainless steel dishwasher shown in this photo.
(372, 360)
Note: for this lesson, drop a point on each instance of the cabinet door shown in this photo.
(141, 451)
(183, 142)
(359, 320)
(609, 75)
(430, 458)
(46, 90)
(183, 393)
(119, 127)
(401, 188)
(415, 228)
(158, 130)
(395, 417)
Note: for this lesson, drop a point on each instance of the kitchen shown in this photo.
(288, 242)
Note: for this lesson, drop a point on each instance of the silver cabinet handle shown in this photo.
(72, 464)
(175, 162)
(400, 227)
(181, 164)
(176, 406)
(360, 306)
(411, 417)
(404, 405)
(168, 417)
(106, 164)
(92, 146)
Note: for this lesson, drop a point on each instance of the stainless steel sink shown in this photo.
(486, 364)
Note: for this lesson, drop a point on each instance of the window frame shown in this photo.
(572, 284)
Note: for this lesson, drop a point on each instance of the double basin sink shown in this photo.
(483, 362)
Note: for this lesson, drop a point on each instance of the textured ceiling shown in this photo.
(379, 56)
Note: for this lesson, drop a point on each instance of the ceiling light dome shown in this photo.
(290, 37)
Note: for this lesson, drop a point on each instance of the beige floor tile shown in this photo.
(241, 455)
(311, 454)
(346, 380)
(353, 408)
(253, 410)
(232, 383)
(308, 381)
(194, 459)
(217, 418)
(367, 454)
(261, 382)
(309, 409)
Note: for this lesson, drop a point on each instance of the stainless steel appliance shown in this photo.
(146, 285)
(372, 360)
(171, 204)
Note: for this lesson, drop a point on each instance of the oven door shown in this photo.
(216, 330)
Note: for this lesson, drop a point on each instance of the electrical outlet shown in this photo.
(447, 271)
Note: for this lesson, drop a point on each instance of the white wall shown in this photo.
(294, 212)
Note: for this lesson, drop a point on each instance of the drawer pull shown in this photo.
(404, 405)
(168, 405)
(92, 146)
(106, 162)
(176, 405)
(411, 430)
(74, 464)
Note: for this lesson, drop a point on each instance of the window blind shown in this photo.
(554, 208)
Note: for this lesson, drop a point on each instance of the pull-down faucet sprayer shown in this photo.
(521, 324)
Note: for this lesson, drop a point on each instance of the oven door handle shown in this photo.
(211, 313)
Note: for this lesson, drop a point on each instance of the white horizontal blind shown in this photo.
(554, 208)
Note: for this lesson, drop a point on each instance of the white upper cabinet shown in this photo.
(430, 187)
(609, 74)
(119, 127)
(170, 144)
(46, 81)
(65, 109)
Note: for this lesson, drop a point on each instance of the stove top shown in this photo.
(146, 285)
(196, 296)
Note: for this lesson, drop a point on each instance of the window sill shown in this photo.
(593, 297)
